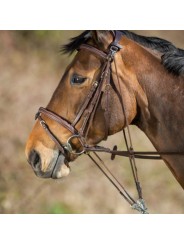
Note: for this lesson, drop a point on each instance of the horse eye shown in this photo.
(77, 79)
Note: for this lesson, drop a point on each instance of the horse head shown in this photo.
(86, 120)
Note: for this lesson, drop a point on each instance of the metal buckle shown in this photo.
(140, 206)
(112, 51)
(43, 124)
(69, 148)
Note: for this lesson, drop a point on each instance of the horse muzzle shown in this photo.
(56, 168)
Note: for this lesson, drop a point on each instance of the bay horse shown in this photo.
(144, 86)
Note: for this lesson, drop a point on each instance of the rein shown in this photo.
(87, 111)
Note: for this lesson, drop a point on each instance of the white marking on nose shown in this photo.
(48, 156)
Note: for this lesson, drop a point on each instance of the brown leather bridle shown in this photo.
(87, 111)
(88, 108)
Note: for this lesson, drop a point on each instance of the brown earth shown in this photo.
(30, 69)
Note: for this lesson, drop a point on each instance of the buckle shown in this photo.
(140, 206)
(43, 124)
(114, 48)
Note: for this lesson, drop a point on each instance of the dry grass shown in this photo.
(29, 75)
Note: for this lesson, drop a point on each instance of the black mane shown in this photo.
(172, 58)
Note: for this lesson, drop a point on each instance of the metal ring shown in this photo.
(69, 148)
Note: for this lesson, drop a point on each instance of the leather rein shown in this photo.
(87, 111)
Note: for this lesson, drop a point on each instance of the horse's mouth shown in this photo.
(61, 168)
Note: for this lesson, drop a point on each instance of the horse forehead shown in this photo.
(86, 59)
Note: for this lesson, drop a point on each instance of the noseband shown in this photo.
(87, 111)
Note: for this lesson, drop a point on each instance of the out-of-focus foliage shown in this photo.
(59, 208)
(40, 39)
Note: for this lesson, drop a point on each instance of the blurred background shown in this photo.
(30, 69)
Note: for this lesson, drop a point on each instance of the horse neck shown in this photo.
(164, 127)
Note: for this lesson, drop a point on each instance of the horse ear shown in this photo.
(101, 37)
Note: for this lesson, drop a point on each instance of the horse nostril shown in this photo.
(34, 159)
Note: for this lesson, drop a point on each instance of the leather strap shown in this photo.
(137, 154)
(58, 119)
(93, 105)
(86, 103)
(53, 137)
(115, 43)
(94, 50)
(106, 90)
